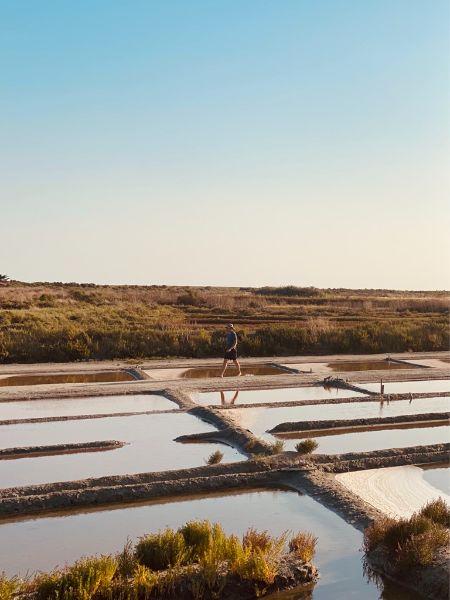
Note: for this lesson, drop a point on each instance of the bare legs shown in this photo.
(225, 365)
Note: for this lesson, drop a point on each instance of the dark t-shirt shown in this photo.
(231, 339)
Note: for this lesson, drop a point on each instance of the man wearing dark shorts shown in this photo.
(231, 350)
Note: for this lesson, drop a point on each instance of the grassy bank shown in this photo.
(43, 322)
(196, 562)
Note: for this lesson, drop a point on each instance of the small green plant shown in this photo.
(304, 546)
(277, 447)
(81, 581)
(306, 446)
(215, 458)
(161, 550)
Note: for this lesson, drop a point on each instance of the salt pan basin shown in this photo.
(365, 441)
(149, 447)
(233, 397)
(207, 372)
(396, 491)
(70, 536)
(404, 387)
(65, 407)
(53, 378)
(260, 419)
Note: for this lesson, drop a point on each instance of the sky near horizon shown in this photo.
(228, 142)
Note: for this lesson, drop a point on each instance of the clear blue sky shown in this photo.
(226, 142)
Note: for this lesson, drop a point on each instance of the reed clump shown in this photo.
(413, 542)
(196, 562)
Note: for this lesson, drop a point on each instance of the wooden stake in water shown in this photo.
(381, 386)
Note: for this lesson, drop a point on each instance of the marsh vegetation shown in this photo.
(65, 322)
(195, 562)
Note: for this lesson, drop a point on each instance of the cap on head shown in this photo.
(230, 325)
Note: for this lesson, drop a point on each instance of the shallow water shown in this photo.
(205, 372)
(14, 380)
(404, 387)
(338, 556)
(366, 441)
(150, 447)
(438, 476)
(233, 397)
(345, 366)
(83, 406)
(261, 419)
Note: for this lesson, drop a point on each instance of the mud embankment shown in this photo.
(340, 425)
(310, 476)
(33, 451)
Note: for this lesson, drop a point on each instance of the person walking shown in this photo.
(230, 350)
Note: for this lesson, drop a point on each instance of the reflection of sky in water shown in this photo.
(150, 447)
(404, 387)
(261, 419)
(362, 441)
(84, 406)
(276, 395)
(439, 477)
(338, 556)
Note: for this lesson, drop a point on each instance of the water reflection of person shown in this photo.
(223, 401)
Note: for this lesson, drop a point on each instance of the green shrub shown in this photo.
(306, 446)
(215, 458)
(161, 550)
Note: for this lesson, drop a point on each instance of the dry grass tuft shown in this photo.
(306, 446)
(215, 458)
(304, 546)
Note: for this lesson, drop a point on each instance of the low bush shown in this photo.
(306, 446)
